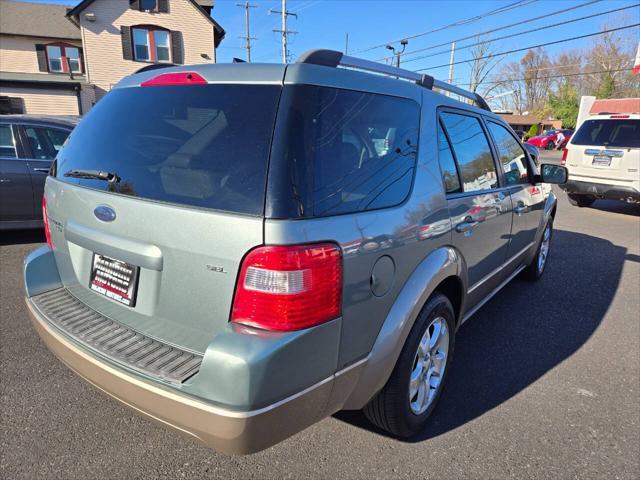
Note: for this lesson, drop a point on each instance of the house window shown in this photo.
(151, 5)
(73, 56)
(152, 45)
(62, 59)
(55, 59)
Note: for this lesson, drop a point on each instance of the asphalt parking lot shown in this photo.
(545, 384)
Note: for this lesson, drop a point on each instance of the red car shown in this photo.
(548, 141)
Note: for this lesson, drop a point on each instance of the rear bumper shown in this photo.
(233, 432)
(602, 190)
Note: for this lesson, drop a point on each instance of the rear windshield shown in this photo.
(197, 145)
(624, 133)
(339, 151)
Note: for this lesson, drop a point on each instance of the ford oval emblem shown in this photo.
(105, 213)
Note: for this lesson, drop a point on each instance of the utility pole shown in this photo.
(246, 5)
(453, 50)
(397, 54)
(284, 31)
(346, 43)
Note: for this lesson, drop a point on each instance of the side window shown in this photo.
(7, 147)
(57, 137)
(472, 151)
(39, 143)
(512, 155)
(347, 151)
(447, 163)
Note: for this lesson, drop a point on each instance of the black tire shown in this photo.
(580, 200)
(550, 146)
(390, 409)
(533, 271)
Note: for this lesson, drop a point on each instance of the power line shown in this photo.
(566, 22)
(532, 46)
(497, 82)
(529, 20)
(505, 8)
(247, 37)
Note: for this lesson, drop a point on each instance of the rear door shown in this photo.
(527, 199)
(16, 193)
(159, 247)
(606, 149)
(480, 209)
(42, 144)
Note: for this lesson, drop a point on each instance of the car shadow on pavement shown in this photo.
(524, 331)
(16, 237)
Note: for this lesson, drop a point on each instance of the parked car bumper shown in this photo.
(227, 428)
(603, 190)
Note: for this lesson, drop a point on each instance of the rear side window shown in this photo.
(622, 133)
(45, 142)
(472, 151)
(7, 147)
(447, 163)
(340, 151)
(512, 155)
(197, 145)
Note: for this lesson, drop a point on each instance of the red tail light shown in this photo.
(564, 157)
(288, 288)
(47, 232)
(179, 78)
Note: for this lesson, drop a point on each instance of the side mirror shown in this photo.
(550, 173)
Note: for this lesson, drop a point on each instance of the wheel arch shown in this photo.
(444, 271)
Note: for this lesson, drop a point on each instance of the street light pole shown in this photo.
(397, 54)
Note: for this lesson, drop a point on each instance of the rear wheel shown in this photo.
(405, 403)
(536, 268)
(581, 200)
(550, 146)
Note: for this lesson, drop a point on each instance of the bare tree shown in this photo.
(535, 69)
(482, 64)
(509, 89)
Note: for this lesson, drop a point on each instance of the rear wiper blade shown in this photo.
(94, 175)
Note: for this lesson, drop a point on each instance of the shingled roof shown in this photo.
(36, 20)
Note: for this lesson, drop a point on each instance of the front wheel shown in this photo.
(550, 146)
(536, 268)
(405, 403)
(580, 200)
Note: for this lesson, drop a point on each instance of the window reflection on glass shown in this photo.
(148, 5)
(512, 155)
(447, 163)
(54, 55)
(161, 39)
(73, 56)
(141, 44)
(472, 151)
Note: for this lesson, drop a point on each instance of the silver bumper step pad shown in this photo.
(116, 341)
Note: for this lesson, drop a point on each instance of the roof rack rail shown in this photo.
(333, 58)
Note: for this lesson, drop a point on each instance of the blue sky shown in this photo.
(325, 23)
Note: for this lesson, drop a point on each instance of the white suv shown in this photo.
(603, 159)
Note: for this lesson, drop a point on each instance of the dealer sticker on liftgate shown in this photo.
(114, 279)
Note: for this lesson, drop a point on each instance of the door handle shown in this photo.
(465, 227)
(39, 169)
(5, 180)
(520, 209)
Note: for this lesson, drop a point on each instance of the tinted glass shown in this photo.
(623, 133)
(7, 147)
(198, 145)
(148, 4)
(472, 151)
(57, 137)
(338, 151)
(512, 155)
(39, 143)
(447, 163)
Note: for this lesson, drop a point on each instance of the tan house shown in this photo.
(61, 60)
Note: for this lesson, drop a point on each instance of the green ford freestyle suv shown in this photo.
(241, 250)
